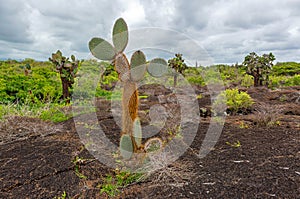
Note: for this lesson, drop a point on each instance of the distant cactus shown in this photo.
(27, 69)
(177, 63)
(129, 74)
(259, 67)
(67, 70)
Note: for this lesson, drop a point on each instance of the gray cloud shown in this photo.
(228, 30)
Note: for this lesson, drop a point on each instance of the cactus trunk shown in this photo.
(66, 92)
(129, 108)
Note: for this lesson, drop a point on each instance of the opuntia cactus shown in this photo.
(129, 75)
(259, 67)
(67, 70)
(126, 146)
(137, 132)
(177, 63)
(27, 69)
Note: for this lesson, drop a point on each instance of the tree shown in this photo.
(177, 63)
(67, 70)
(259, 67)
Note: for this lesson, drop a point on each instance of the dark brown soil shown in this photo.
(36, 157)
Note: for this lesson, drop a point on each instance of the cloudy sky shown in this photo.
(226, 29)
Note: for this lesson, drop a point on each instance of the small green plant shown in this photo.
(236, 144)
(236, 101)
(200, 96)
(243, 125)
(174, 133)
(77, 162)
(63, 196)
(118, 180)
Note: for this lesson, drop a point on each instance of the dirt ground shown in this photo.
(250, 160)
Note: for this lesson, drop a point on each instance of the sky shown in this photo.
(224, 30)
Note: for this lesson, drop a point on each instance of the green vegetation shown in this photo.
(236, 101)
(63, 196)
(38, 92)
(236, 144)
(77, 162)
(286, 69)
(118, 180)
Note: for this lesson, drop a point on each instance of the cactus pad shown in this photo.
(157, 67)
(138, 66)
(126, 147)
(137, 132)
(153, 145)
(120, 35)
(101, 49)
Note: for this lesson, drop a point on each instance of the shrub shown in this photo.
(236, 101)
(267, 115)
(247, 81)
(41, 85)
(286, 68)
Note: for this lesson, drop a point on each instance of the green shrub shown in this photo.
(196, 80)
(236, 101)
(279, 81)
(293, 81)
(247, 81)
(42, 84)
(286, 68)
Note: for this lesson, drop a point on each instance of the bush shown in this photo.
(236, 101)
(41, 85)
(278, 81)
(247, 81)
(286, 68)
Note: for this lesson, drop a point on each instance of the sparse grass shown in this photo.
(267, 115)
(160, 170)
(118, 180)
(48, 112)
(63, 196)
(236, 144)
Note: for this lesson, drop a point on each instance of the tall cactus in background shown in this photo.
(259, 67)
(177, 63)
(67, 70)
(129, 74)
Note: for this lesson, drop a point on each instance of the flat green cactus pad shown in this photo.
(101, 49)
(137, 132)
(126, 147)
(120, 35)
(138, 66)
(157, 67)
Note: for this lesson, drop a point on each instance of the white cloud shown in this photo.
(134, 13)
